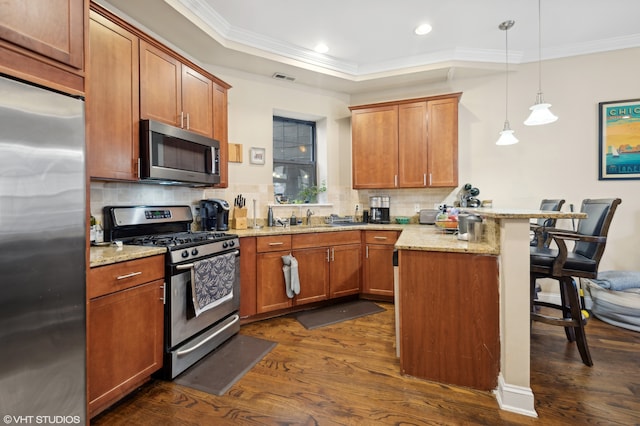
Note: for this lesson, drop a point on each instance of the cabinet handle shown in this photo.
(424, 179)
(430, 179)
(328, 256)
(131, 275)
(395, 180)
(333, 254)
(182, 119)
(277, 243)
(164, 293)
(366, 252)
(378, 237)
(188, 121)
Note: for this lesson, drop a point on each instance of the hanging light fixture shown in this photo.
(506, 135)
(540, 112)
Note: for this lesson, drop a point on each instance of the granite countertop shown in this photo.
(525, 214)
(305, 229)
(431, 238)
(106, 255)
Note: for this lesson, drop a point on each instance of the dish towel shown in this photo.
(212, 281)
(291, 278)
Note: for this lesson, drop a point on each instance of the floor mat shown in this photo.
(221, 369)
(337, 313)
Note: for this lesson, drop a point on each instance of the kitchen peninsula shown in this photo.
(468, 323)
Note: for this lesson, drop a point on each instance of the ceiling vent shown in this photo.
(281, 76)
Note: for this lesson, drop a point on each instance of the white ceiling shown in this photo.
(372, 43)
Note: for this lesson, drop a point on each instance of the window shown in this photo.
(294, 158)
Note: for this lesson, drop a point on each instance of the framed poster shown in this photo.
(619, 141)
(256, 156)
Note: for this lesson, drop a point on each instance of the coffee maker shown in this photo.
(214, 215)
(379, 209)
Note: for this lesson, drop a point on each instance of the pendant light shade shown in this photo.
(540, 112)
(506, 135)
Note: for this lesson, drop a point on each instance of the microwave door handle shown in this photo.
(214, 160)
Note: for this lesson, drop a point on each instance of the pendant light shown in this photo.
(540, 112)
(506, 135)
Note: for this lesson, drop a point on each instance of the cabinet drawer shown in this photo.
(273, 243)
(119, 276)
(380, 237)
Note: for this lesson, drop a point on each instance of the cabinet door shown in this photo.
(345, 275)
(442, 156)
(44, 42)
(220, 130)
(375, 147)
(270, 292)
(160, 85)
(313, 270)
(125, 342)
(112, 101)
(412, 145)
(197, 102)
(378, 270)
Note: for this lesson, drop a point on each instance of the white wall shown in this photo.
(557, 160)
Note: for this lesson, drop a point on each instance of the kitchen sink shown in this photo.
(346, 224)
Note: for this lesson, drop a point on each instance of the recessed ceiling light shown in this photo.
(321, 48)
(423, 29)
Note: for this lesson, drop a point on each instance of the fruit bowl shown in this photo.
(447, 224)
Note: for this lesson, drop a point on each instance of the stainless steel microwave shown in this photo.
(169, 154)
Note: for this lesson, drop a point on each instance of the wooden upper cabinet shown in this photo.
(112, 106)
(412, 145)
(173, 93)
(220, 130)
(44, 43)
(406, 144)
(442, 155)
(375, 147)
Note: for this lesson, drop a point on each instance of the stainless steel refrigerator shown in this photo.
(42, 256)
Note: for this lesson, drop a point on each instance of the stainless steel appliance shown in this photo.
(214, 215)
(42, 260)
(172, 155)
(187, 337)
(379, 209)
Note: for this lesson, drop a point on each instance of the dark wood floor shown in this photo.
(347, 374)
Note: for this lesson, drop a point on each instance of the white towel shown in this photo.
(212, 281)
(291, 278)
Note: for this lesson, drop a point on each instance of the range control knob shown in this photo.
(232, 243)
(185, 254)
(194, 252)
(225, 245)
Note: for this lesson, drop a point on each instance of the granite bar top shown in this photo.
(106, 255)
(431, 238)
(525, 214)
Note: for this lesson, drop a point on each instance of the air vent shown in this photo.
(281, 76)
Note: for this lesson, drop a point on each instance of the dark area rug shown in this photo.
(221, 369)
(337, 313)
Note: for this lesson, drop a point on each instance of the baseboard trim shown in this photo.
(517, 399)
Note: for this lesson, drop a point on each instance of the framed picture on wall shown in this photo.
(619, 140)
(256, 155)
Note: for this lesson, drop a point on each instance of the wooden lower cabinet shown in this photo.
(329, 266)
(125, 318)
(449, 318)
(378, 263)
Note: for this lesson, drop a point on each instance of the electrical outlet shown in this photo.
(416, 207)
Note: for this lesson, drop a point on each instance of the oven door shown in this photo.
(183, 324)
(188, 338)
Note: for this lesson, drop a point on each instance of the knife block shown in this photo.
(240, 218)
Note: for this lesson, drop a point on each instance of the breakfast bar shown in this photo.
(479, 295)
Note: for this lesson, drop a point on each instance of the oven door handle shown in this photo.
(190, 265)
(235, 318)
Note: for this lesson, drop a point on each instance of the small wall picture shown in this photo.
(619, 147)
(257, 155)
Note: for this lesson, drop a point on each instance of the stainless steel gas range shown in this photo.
(191, 330)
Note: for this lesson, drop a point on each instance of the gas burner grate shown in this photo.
(178, 239)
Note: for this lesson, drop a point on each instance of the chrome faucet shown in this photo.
(309, 213)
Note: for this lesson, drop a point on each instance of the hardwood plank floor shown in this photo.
(347, 374)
